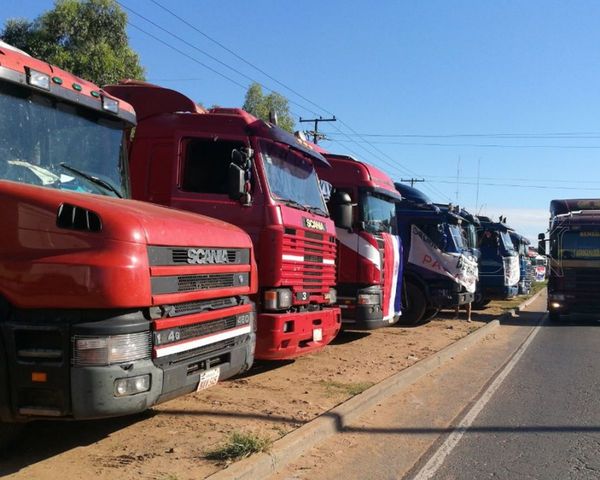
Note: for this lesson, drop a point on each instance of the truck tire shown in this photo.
(429, 314)
(8, 433)
(414, 303)
(480, 302)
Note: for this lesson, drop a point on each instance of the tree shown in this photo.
(259, 105)
(84, 37)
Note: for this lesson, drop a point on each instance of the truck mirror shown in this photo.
(541, 236)
(542, 247)
(236, 181)
(341, 210)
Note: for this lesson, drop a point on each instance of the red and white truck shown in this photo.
(230, 165)
(369, 264)
(107, 305)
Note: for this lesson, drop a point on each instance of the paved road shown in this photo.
(386, 442)
(543, 422)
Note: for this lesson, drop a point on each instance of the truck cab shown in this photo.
(369, 262)
(107, 305)
(439, 271)
(499, 270)
(230, 165)
(574, 257)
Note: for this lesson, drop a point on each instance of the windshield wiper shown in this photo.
(317, 211)
(293, 203)
(93, 179)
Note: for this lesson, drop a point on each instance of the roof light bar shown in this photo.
(38, 79)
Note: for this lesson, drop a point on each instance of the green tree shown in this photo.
(259, 105)
(84, 37)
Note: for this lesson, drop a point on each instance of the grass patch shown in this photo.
(239, 445)
(336, 388)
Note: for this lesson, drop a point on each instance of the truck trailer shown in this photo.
(369, 264)
(226, 163)
(107, 305)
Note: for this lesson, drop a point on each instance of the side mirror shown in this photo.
(236, 180)
(341, 210)
(541, 244)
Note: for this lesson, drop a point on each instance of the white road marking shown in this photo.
(437, 459)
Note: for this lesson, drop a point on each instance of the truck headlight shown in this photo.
(331, 296)
(278, 299)
(107, 350)
(131, 385)
(368, 299)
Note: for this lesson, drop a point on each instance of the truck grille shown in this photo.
(584, 284)
(191, 283)
(308, 262)
(201, 329)
(189, 308)
(197, 255)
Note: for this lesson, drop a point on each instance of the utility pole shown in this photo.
(412, 180)
(315, 133)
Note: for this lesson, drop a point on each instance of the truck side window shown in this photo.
(206, 164)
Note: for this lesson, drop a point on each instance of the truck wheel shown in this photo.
(8, 433)
(480, 301)
(429, 314)
(414, 303)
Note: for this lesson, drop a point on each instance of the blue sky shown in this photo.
(459, 87)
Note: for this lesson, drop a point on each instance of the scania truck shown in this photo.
(107, 305)
(226, 163)
(439, 270)
(499, 270)
(369, 262)
(574, 251)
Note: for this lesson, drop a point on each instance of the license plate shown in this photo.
(317, 334)
(208, 379)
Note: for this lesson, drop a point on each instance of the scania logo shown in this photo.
(314, 224)
(206, 255)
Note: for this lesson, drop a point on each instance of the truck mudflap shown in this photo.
(94, 389)
(289, 335)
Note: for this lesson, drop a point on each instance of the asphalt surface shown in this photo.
(543, 422)
(396, 438)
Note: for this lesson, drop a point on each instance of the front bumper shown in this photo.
(282, 336)
(92, 387)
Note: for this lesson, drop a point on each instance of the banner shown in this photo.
(425, 254)
(512, 270)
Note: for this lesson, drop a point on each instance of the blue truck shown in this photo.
(499, 271)
(439, 272)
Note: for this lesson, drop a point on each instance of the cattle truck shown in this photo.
(107, 305)
(226, 163)
(574, 253)
(369, 263)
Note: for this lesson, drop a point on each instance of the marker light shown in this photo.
(38, 79)
(110, 104)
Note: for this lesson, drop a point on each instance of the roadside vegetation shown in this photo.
(239, 445)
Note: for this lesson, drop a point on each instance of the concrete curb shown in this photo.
(295, 443)
(529, 301)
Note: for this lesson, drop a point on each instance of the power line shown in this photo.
(517, 179)
(557, 135)
(479, 145)
(544, 187)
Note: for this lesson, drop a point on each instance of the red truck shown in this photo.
(369, 253)
(228, 164)
(107, 305)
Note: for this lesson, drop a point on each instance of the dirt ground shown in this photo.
(170, 441)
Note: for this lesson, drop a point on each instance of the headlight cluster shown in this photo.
(368, 299)
(108, 350)
(278, 299)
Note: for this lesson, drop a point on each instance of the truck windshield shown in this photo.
(470, 235)
(456, 241)
(58, 145)
(507, 244)
(292, 178)
(582, 245)
(377, 213)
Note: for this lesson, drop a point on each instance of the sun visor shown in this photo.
(277, 134)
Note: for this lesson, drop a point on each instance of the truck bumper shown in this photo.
(289, 335)
(93, 388)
